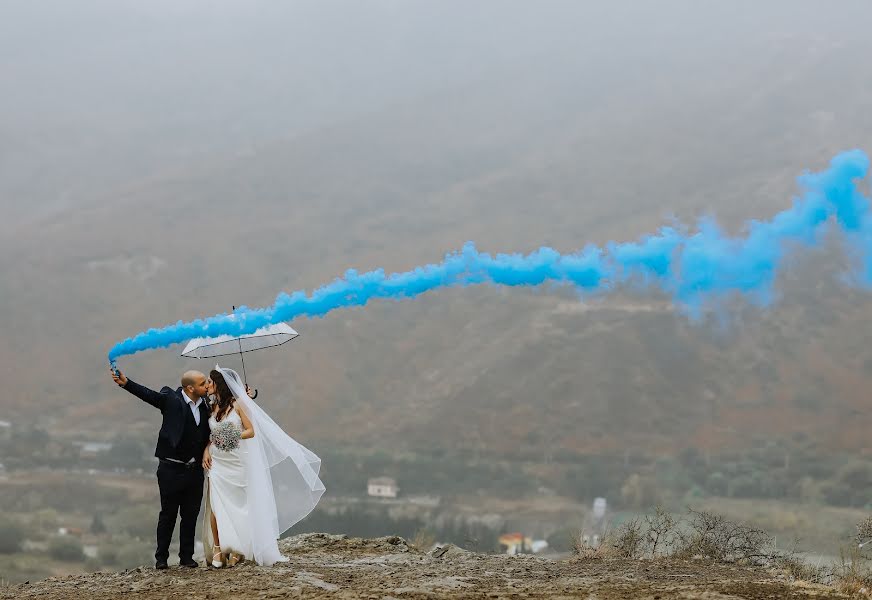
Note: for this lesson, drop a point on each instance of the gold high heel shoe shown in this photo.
(234, 558)
(217, 554)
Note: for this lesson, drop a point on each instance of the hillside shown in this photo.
(500, 162)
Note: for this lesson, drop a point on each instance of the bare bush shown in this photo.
(714, 537)
(710, 536)
(628, 540)
(661, 530)
(864, 532)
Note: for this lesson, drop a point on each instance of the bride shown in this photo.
(257, 487)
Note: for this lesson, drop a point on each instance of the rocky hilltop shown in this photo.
(326, 566)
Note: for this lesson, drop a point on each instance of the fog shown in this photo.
(98, 93)
(167, 160)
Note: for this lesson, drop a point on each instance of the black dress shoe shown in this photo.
(161, 564)
(189, 562)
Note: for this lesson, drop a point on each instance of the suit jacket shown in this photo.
(175, 411)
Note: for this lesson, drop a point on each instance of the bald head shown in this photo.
(192, 378)
(195, 385)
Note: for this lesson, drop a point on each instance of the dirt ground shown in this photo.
(325, 566)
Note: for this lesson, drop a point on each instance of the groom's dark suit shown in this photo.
(180, 446)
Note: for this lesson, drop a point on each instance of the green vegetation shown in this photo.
(11, 535)
(65, 548)
(786, 490)
(795, 473)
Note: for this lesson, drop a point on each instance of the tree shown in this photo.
(134, 554)
(97, 525)
(11, 534)
(108, 554)
(45, 519)
(66, 547)
(136, 520)
(638, 492)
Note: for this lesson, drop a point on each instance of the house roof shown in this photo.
(382, 481)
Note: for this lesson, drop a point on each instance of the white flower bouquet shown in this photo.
(226, 436)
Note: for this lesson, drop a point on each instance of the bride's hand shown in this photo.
(207, 459)
(251, 393)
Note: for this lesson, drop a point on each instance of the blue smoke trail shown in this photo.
(693, 267)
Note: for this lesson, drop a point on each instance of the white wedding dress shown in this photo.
(259, 490)
(228, 493)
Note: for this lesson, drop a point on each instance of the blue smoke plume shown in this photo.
(694, 267)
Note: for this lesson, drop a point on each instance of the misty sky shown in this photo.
(150, 86)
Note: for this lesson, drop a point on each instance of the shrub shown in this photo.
(135, 554)
(66, 548)
(108, 555)
(717, 484)
(563, 540)
(137, 521)
(97, 525)
(92, 565)
(45, 519)
(661, 531)
(11, 536)
(714, 537)
(628, 540)
(638, 491)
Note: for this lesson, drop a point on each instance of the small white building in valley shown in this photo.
(382, 487)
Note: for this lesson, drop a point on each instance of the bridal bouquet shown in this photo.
(226, 436)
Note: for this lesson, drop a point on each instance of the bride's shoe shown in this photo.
(217, 555)
(234, 559)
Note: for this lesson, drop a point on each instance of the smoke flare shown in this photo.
(692, 266)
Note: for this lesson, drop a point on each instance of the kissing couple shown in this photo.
(215, 441)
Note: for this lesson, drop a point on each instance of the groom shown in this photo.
(183, 436)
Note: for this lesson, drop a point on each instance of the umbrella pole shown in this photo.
(242, 357)
(244, 376)
(239, 341)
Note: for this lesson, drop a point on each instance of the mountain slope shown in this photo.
(530, 156)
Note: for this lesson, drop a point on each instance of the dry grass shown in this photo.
(627, 541)
(423, 540)
(797, 568)
(852, 575)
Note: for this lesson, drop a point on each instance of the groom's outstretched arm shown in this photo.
(154, 398)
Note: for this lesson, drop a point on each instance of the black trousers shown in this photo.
(181, 492)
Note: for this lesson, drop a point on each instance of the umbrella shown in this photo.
(224, 345)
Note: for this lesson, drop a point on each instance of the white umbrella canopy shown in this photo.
(223, 345)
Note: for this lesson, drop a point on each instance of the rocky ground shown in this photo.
(325, 566)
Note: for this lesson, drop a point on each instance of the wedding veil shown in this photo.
(282, 475)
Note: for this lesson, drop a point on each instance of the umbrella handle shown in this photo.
(255, 394)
